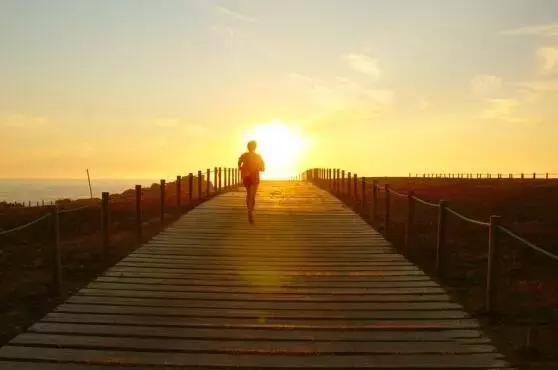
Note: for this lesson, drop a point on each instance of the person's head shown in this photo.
(252, 146)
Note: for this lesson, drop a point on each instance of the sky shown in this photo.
(133, 89)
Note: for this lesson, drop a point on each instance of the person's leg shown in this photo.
(253, 196)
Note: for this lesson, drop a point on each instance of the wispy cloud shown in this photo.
(234, 14)
(539, 86)
(364, 64)
(483, 86)
(499, 108)
(180, 125)
(23, 121)
(548, 30)
(548, 58)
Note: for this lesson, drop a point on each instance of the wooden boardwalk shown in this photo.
(310, 285)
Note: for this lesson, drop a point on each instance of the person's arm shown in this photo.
(262, 164)
(240, 161)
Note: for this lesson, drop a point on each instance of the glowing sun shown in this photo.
(281, 147)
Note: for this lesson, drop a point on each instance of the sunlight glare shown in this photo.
(281, 147)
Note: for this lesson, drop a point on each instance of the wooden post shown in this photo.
(200, 180)
(56, 263)
(534, 175)
(190, 189)
(220, 179)
(207, 182)
(162, 207)
(342, 189)
(491, 272)
(215, 179)
(363, 195)
(522, 176)
(441, 237)
(178, 191)
(105, 224)
(138, 213)
(349, 177)
(355, 190)
(387, 211)
(547, 175)
(410, 219)
(374, 205)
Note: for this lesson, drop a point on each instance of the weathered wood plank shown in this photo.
(262, 360)
(266, 297)
(219, 323)
(216, 346)
(269, 333)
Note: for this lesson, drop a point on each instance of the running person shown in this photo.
(250, 165)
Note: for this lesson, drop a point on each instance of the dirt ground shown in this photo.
(26, 291)
(524, 322)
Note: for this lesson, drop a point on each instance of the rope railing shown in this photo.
(467, 219)
(426, 203)
(25, 226)
(527, 243)
(336, 182)
(222, 179)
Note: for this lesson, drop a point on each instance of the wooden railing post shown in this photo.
(200, 180)
(363, 196)
(355, 190)
(207, 182)
(190, 189)
(441, 238)
(410, 219)
(491, 272)
(374, 205)
(215, 179)
(220, 179)
(105, 224)
(349, 177)
(162, 206)
(387, 210)
(342, 189)
(138, 213)
(56, 256)
(178, 195)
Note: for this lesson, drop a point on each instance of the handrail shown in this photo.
(426, 203)
(24, 226)
(397, 194)
(74, 209)
(528, 243)
(465, 218)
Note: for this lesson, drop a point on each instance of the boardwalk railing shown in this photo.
(224, 179)
(478, 175)
(346, 186)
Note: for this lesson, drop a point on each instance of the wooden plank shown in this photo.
(219, 261)
(244, 283)
(315, 279)
(227, 333)
(257, 314)
(218, 346)
(256, 290)
(263, 305)
(219, 324)
(271, 272)
(266, 297)
(27, 365)
(262, 360)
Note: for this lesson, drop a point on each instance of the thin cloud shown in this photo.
(485, 85)
(548, 58)
(547, 30)
(22, 121)
(539, 86)
(234, 14)
(499, 108)
(364, 64)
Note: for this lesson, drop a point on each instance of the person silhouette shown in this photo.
(250, 165)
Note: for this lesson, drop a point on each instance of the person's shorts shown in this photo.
(249, 181)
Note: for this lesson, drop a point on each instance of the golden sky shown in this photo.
(154, 89)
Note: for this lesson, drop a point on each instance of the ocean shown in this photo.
(49, 190)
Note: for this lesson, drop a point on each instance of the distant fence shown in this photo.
(479, 175)
(353, 189)
(224, 179)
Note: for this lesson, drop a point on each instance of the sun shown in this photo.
(281, 146)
